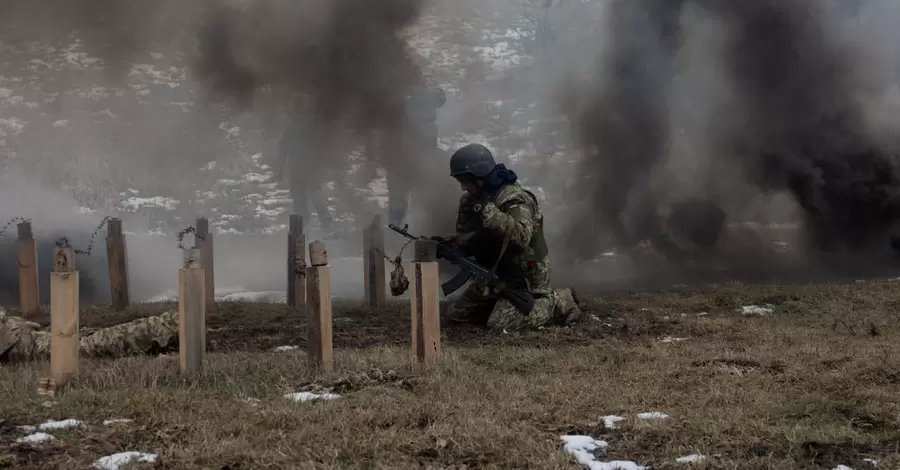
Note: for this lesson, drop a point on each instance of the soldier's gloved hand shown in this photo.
(439, 239)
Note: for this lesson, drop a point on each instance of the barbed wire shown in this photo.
(189, 229)
(63, 241)
(12, 221)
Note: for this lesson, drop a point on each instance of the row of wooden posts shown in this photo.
(309, 291)
(117, 259)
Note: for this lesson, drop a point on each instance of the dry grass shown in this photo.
(811, 386)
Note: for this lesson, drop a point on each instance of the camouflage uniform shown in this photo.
(481, 226)
(22, 340)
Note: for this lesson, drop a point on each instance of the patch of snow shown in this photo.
(842, 467)
(5, 92)
(36, 438)
(117, 420)
(28, 428)
(871, 461)
(285, 348)
(307, 396)
(121, 459)
(251, 401)
(583, 447)
(64, 424)
(15, 124)
(652, 415)
(757, 309)
(690, 458)
(48, 404)
(669, 339)
(135, 203)
(609, 422)
(257, 177)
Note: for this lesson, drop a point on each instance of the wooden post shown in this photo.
(64, 322)
(373, 252)
(318, 288)
(425, 302)
(29, 295)
(296, 266)
(117, 258)
(204, 242)
(191, 312)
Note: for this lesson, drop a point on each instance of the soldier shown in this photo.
(298, 145)
(501, 225)
(418, 140)
(22, 340)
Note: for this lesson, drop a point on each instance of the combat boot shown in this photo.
(567, 309)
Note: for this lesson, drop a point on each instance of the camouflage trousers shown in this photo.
(556, 307)
(22, 340)
(551, 306)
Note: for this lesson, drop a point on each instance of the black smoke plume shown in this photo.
(783, 114)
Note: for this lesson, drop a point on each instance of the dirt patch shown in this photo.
(831, 454)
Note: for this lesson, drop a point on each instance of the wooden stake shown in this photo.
(204, 241)
(296, 266)
(318, 288)
(29, 295)
(425, 302)
(64, 321)
(191, 313)
(373, 251)
(117, 257)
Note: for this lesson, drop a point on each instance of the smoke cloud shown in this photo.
(343, 62)
(696, 107)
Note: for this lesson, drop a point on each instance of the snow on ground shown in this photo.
(308, 396)
(690, 458)
(64, 424)
(653, 415)
(36, 438)
(671, 339)
(757, 309)
(117, 421)
(583, 448)
(121, 459)
(285, 348)
(609, 422)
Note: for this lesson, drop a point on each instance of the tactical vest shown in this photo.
(485, 245)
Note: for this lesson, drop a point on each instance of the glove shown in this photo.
(439, 239)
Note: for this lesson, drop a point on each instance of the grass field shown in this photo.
(811, 385)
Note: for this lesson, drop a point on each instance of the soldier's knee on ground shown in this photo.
(472, 306)
(507, 317)
(462, 311)
(566, 306)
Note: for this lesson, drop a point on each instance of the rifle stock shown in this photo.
(521, 299)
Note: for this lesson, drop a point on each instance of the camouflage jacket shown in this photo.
(23, 340)
(512, 211)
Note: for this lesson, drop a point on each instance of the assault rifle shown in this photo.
(521, 299)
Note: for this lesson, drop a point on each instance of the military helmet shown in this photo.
(472, 159)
